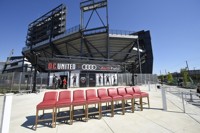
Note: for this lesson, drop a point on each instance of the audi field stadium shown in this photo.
(87, 56)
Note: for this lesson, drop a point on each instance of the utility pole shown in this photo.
(187, 65)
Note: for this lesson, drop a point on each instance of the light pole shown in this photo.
(35, 72)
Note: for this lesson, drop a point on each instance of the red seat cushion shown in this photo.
(105, 99)
(144, 94)
(79, 102)
(63, 103)
(135, 95)
(93, 100)
(48, 104)
(117, 97)
(127, 96)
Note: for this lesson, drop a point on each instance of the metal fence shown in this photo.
(140, 79)
(21, 81)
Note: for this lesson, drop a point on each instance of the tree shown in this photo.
(185, 75)
(169, 78)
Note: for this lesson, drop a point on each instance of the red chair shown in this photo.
(92, 98)
(129, 90)
(122, 92)
(78, 100)
(49, 101)
(104, 98)
(64, 101)
(142, 94)
(112, 92)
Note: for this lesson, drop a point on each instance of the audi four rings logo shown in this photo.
(89, 67)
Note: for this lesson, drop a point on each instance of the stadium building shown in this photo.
(87, 55)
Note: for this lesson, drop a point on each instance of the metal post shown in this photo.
(31, 80)
(20, 80)
(164, 100)
(6, 113)
(12, 81)
(41, 83)
(139, 59)
(149, 86)
(183, 102)
(191, 99)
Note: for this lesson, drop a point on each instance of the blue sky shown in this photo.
(174, 26)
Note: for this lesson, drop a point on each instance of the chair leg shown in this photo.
(86, 112)
(70, 115)
(148, 101)
(133, 104)
(99, 104)
(36, 119)
(53, 118)
(55, 115)
(112, 108)
(123, 107)
(141, 105)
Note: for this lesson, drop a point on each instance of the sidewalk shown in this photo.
(153, 120)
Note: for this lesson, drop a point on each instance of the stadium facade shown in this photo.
(86, 55)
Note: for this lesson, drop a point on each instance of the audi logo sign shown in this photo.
(89, 67)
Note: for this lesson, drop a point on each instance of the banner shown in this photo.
(82, 67)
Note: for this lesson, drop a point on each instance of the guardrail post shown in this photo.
(183, 102)
(6, 113)
(164, 100)
(191, 99)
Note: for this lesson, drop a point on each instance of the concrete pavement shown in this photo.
(153, 120)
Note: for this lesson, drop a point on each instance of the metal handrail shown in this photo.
(121, 32)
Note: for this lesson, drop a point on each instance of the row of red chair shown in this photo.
(93, 96)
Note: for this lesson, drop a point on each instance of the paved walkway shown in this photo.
(153, 120)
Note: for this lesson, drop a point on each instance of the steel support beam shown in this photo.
(94, 47)
(87, 47)
(73, 47)
(123, 49)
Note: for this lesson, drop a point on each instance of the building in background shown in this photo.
(16, 64)
(1, 66)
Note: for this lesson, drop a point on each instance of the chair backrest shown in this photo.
(51, 95)
(64, 95)
(112, 92)
(129, 90)
(136, 89)
(78, 94)
(102, 92)
(90, 93)
(121, 91)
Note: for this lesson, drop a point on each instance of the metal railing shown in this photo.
(121, 32)
(187, 96)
